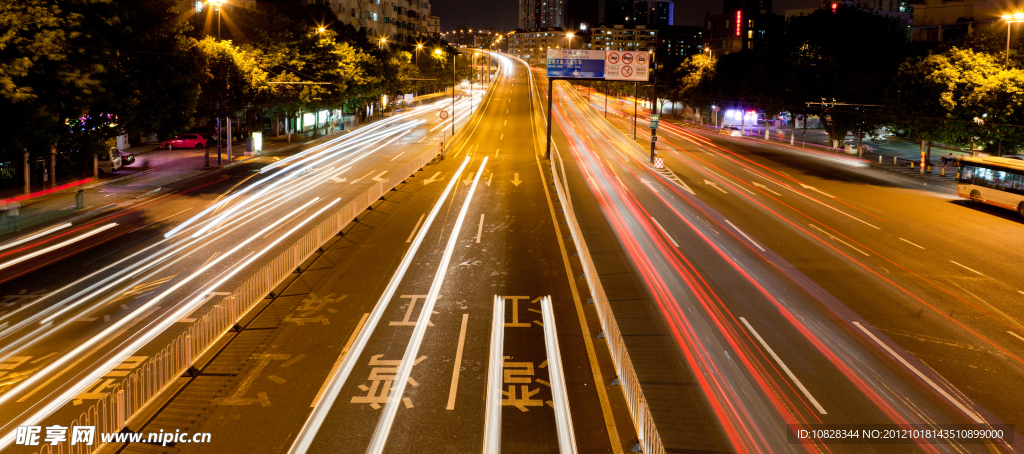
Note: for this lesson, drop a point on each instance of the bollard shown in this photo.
(893, 160)
(911, 164)
(928, 169)
(943, 172)
(879, 159)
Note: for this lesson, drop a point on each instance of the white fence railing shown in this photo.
(135, 391)
(647, 432)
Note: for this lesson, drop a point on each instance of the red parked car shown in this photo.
(185, 141)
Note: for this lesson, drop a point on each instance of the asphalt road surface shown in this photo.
(883, 296)
(93, 300)
(319, 368)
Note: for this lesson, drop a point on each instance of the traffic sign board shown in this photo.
(443, 114)
(654, 124)
(659, 163)
(627, 65)
(576, 63)
(655, 117)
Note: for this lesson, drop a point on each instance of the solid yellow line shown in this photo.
(458, 364)
(337, 364)
(602, 393)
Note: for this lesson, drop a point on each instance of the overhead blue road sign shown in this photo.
(576, 63)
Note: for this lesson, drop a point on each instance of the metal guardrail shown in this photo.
(643, 421)
(137, 390)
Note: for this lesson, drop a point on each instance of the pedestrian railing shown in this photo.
(127, 399)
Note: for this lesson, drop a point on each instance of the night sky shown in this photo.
(501, 14)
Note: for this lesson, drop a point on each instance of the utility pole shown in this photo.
(655, 114)
(453, 93)
(635, 87)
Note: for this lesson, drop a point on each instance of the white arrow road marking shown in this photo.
(378, 178)
(765, 188)
(431, 179)
(515, 180)
(817, 190)
(338, 180)
(360, 178)
(715, 185)
(841, 241)
(467, 180)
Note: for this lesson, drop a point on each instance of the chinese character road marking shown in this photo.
(408, 312)
(381, 379)
(237, 399)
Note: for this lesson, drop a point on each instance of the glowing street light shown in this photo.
(219, 4)
(383, 42)
(569, 36)
(1010, 20)
(419, 47)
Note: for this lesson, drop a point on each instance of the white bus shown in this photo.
(991, 180)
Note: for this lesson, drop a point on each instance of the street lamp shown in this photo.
(419, 47)
(321, 30)
(383, 41)
(568, 37)
(219, 4)
(1010, 20)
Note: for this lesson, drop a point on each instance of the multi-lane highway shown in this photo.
(757, 287)
(840, 278)
(386, 341)
(102, 295)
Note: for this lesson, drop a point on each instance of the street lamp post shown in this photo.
(219, 4)
(1010, 20)
(568, 37)
(419, 47)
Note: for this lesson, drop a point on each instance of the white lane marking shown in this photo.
(83, 236)
(480, 229)
(816, 200)
(397, 155)
(664, 231)
(726, 179)
(912, 244)
(502, 136)
(35, 235)
(458, 364)
(968, 269)
(319, 414)
(341, 358)
(506, 121)
(837, 239)
(416, 228)
(785, 368)
(559, 396)
(1015, 335)
(380, 434)
(920, 375)
(489, 179)
(492, 391)
(751, 240)
(378, 177)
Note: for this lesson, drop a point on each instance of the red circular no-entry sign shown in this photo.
(641, 59)
(613, 58)
(627, 59)
(627, 71)
(443, 114)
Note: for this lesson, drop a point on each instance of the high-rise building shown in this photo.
(537, 14)
(395, 21)
(653, 13)
(744, 24)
